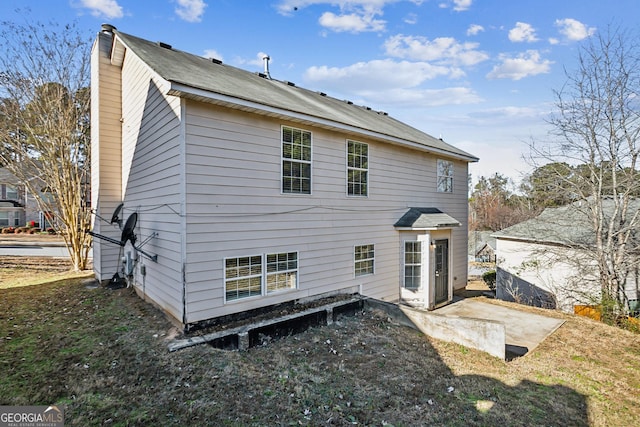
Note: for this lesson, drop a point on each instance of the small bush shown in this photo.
(20, 230)
(8, 230)
(489, 278)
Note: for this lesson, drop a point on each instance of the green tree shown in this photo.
(44, 123)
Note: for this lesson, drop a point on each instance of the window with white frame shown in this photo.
(12, 193)
(445, 176)
(242, 277)
(296, 161)
(412, 264)
(357, 168)
(282, 271)
(260, 274)
(364, 257)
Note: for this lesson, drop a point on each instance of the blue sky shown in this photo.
(478, 73)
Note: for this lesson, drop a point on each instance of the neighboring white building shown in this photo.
(254, 192)
(543, 261)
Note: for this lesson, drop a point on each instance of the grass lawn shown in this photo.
(103, 355)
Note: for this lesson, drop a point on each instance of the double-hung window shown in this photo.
(282, 271)
(445, 176)
(296, 161)
(412, 264)
(242, 277)
(258, 275)
(12, 193)
(364, 257)
(357, 168)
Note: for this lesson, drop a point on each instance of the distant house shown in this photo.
(541, 262)
(17, 207)
(482, 246)
(253, 192)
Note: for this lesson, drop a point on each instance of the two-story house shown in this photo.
(17, 206)
(252, 191)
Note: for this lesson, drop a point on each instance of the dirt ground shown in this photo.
(102, 354)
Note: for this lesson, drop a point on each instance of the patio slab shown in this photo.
(524, 330)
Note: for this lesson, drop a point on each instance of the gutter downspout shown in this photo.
(183, 207)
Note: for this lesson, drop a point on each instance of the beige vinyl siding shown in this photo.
(151, 170)
(235, 208)
(106, 178)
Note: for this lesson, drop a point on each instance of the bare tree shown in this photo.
(44, 123)
(596, 129)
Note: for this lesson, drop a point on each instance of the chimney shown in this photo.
(266, 59)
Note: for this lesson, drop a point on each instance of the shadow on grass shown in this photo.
(103, 355)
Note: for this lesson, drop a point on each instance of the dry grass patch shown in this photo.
(103, 354)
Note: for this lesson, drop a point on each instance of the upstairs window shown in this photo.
(357, 168)
(296, 161)
(12, 193)
(445, 176)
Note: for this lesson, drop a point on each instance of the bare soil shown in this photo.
(102, 354)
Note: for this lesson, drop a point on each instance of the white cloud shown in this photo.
(190, 10)
(352, 22)
(411, 19)
(380, 74)
(461, 5)
(445, 50)
(458, 5)
(106, 8)
(396, 83)
(474, 29)
(574, 30)
(553, 40)
(525, 64)
(522, 32)
(212, 53)
(258, 61)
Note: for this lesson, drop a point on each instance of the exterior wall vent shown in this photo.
(348, 102)
(164, 45)
(216, 61)
(322, 94)
(290, 83)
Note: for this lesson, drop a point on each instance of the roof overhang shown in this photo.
(189, 92)
(426, 219)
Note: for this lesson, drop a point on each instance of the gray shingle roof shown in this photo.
(206, 75)
(565, 225)
(426, 218)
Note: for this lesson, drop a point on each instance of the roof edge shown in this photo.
(182, 90)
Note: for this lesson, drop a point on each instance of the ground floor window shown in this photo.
(282, 271)
(260, 274)
(364, 256)
(412, 264)
(243, 277)
(4, 219)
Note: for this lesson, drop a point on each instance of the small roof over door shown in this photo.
(426, 219)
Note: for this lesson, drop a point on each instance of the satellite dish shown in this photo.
(115, 218)
(128, 229)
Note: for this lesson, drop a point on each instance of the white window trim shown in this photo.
(355, 261)
(449, 177)
(282, 159)
(263, 277)
(224, 272)
(267, 273)
(346, 161)
(404, 262)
